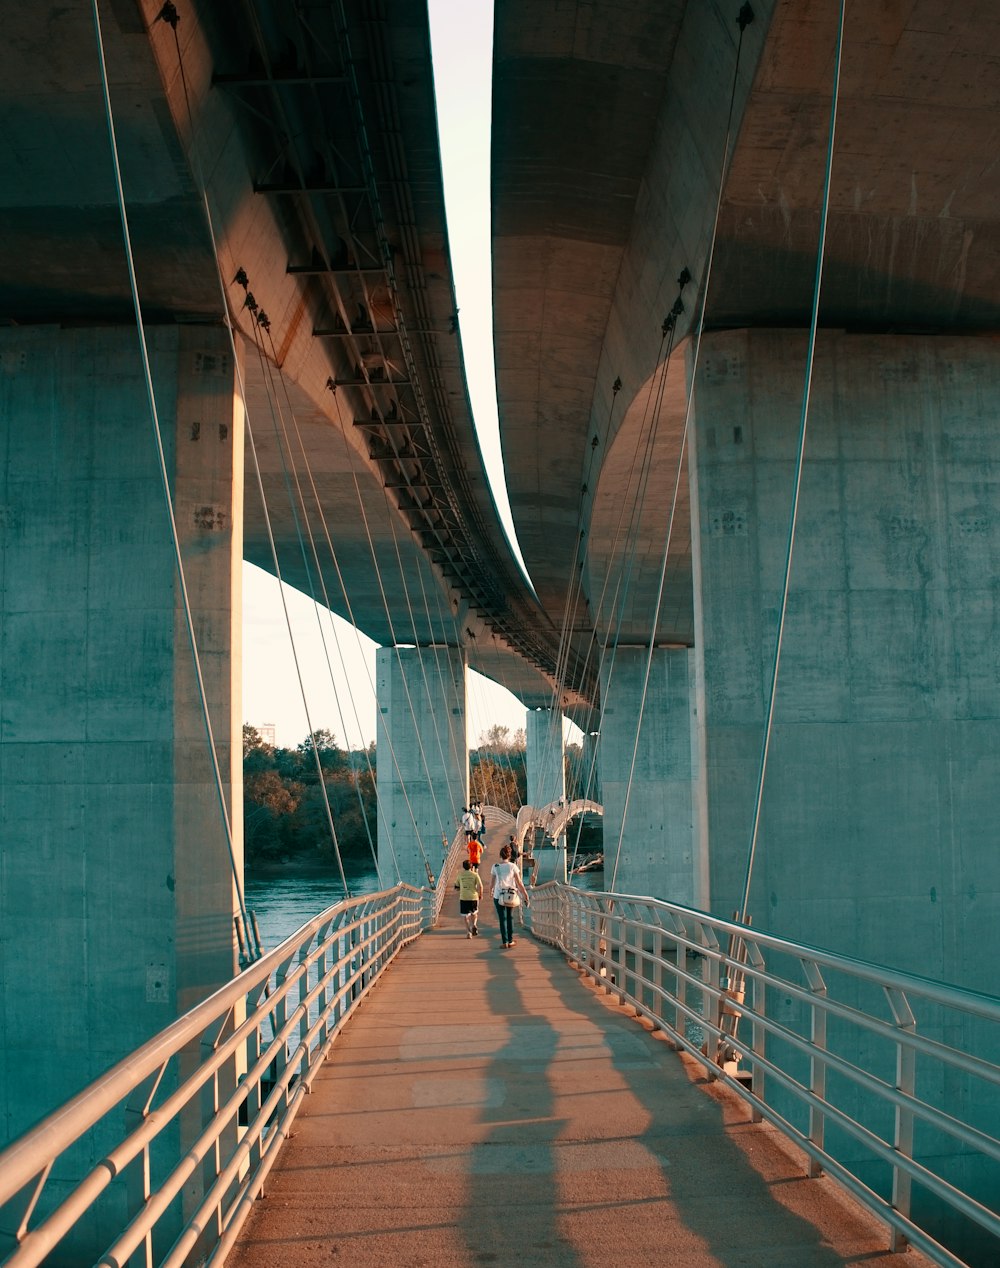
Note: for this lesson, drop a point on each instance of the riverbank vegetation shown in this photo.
(285, 800)
(287, 792)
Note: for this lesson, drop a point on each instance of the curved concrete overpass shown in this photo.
(607, 148)
(314, 137)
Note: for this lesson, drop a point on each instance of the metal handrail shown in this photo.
(773, 1018)
(186, 1128)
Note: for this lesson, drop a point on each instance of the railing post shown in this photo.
(658, 965)
(758, 1031)
(817, 1062)
(138, 1176)
(711, 997)
(214, 1095)
(906, 1069)
(323, 996)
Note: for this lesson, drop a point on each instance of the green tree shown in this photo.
(285, 812)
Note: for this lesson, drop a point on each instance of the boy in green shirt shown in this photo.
(470, 887)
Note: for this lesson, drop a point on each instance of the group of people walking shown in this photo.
(508, 890)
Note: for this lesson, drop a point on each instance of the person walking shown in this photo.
(508, 890)
(475, 849)
(470, 888)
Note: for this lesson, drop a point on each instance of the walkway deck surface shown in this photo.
(490, 1107)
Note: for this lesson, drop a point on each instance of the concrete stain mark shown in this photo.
(976, 522)
(786, 212)
(434, 1093)
(211, 364)
(555, 1158)
(212, 518)
(196, 431)
(295, 321)
(960, 270)
(425, 1043)
(731, 522)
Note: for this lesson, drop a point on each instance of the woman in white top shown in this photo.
(506, 877)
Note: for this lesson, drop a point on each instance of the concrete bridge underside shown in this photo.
(882, 781)
(311, 137)
(316, 144)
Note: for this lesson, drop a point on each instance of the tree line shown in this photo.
(285, 800)
(285, 796)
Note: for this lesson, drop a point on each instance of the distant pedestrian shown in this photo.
(508, 890)
(470, 888)
(475, 852)
(469, 825)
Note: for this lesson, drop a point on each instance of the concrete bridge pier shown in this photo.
(546, 783)
(661, 852)
(879, 816)
(546, 770)
(878, 832)
(422, 756)
(117, 893)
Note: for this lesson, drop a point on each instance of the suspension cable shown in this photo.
(276, 415)
(304, 456)
(643, 439)
(248, 925)
(799, 459)
(744, 18)
(385, 604)
(169, 15)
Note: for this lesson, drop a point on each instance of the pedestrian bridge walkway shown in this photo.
(632, 1082)
(492, 1107)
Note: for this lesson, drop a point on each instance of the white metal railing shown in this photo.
(186, 1128)
(886, 1080)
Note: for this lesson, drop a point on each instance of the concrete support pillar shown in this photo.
(546, 778)
(546, 783)
(659, 854)
(590, 765)
(878, 832)
(117, 893)
(422, 757)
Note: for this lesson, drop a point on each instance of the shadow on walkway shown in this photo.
(487, 1107)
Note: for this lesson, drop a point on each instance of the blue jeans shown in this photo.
(505, 918)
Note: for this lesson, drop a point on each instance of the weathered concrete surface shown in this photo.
(657, 800)
(487, 1107)
(422, 748)
(545, 750)
(877, 830)
(113, 856)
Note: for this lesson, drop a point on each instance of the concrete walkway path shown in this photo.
(489, 1107)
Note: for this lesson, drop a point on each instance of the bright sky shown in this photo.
(337, 662)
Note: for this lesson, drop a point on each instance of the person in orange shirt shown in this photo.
(475, 848)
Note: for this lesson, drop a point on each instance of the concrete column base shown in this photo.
(117, 892)
(546, 770)
(423, 760)
(659, 853)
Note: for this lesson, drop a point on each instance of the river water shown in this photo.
(283, 902)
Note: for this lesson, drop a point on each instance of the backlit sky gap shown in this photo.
(462, 44)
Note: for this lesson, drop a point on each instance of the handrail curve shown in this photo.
(753, 1009)
(260, 1040)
